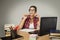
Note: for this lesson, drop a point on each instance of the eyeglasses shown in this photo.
(32, 10)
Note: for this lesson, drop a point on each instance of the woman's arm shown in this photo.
(38, 23)
(22, 22)
(18, 27)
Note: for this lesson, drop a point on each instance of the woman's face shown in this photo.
(32, 11)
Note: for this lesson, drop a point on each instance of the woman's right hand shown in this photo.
(25, 16)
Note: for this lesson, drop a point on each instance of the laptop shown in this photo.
(47, 24)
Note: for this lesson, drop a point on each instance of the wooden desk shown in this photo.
(45, 37)
(26, 36)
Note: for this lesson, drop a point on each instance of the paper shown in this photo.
(27, 30)
(33, 36)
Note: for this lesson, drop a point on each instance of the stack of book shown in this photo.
(55, 34)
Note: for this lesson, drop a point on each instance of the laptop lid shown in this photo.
(47, 24)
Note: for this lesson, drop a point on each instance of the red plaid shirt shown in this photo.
(27, 22)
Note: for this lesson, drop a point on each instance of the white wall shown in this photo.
(13, 10)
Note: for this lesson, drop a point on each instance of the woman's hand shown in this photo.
(24, 16)
(37, 15)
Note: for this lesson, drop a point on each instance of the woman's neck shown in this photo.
(31, 17)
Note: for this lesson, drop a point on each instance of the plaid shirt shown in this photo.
(27, 22)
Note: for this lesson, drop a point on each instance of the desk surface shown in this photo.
(26, 36)
(45, 37)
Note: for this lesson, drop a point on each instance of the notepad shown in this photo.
(27, 30)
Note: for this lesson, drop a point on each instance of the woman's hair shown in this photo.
(33, 7)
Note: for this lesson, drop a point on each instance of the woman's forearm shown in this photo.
(38, 24)
(21, 24)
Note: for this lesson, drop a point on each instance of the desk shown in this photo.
(26, 36)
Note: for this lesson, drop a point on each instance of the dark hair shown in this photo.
(33, 7)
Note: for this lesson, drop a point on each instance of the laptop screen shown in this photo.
(47, 24)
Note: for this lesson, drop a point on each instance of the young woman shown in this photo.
(30, 21)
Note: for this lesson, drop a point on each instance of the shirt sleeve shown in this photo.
(16, 27)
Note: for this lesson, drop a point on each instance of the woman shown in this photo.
(30, 21)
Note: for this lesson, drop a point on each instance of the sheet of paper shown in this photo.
(27, 30)
(33, 36)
